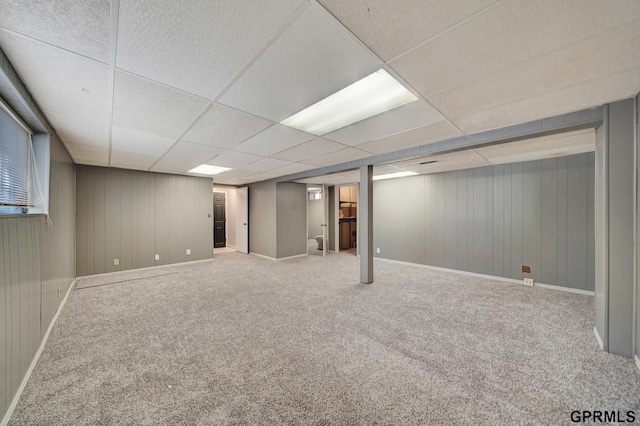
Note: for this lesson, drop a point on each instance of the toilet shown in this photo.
(319, 240)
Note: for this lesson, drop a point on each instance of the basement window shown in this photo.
(20, 160)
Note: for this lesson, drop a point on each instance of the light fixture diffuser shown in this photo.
(206, 169)
(372, 95)
(394, 175)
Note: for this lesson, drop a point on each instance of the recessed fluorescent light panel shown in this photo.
(314, 189)
(394, 175)
(374, 94)
(206, 169)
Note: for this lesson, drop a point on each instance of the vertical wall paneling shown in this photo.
(495, 219)
(81, 224)
(480, 220)
(126, 214)
(90, 231)
(112, 222)
(143, 214)
(516, 220)
(262, 221)
(405, 221)
(291, 219)
(498, 219)
(591, 226)
(507, 225)
(35, 260)
(532, 218)
(5, 390)
(450, 220)
(577, 205)
(462, 252)
(429, 205)
(563, 220)
(549, 217)
(489, 221)
(441, 241)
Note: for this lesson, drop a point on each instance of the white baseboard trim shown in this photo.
(262, 256)
(489, 277)
(599, 340)
(279, 258)
(106, 274)
(637, 360)
(292, 257)
(25, 379)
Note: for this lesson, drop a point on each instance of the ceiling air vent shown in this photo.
(429, 162)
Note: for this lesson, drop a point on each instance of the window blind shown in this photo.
(16, 165)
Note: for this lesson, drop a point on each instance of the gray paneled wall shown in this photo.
(493, 220)
(262, 219)
(291, 219)
(36, 269)
(133, 215)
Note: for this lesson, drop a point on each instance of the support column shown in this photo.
(365, 224)
(616, 211)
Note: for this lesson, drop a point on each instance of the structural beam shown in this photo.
(365, 224)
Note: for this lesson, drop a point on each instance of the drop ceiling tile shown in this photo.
(307, 150)
(185, 156)
(617, 51)
(461, 56)
(585, 95)
(171, 166)
(153, 108)
(82, 131)
(314, 58)
(340, 156)
(446, 162)
(266, 164)
(420, 136)
(59, 80)
(225, 127)
(81, 26)
(294, 168)
(233, 174)
(390, 28)
(551, 146)
(196, 46)
(87, 154)
(260, 177)
(130, 160)
(233, 159)
(274, 139)
(134, 141)
(406, 117)
(192, 152)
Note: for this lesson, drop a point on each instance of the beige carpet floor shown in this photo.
(244, 340)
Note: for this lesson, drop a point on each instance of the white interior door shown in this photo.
(242, 220)
(325, 219)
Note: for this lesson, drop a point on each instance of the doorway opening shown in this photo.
(317, 238)
(219, 220)
(348, 218)
(230, 219)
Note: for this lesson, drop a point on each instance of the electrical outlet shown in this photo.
(528, 281)
(157, 257)
(378, 250)
(59, 292)
(116, 261)
(188, 252)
